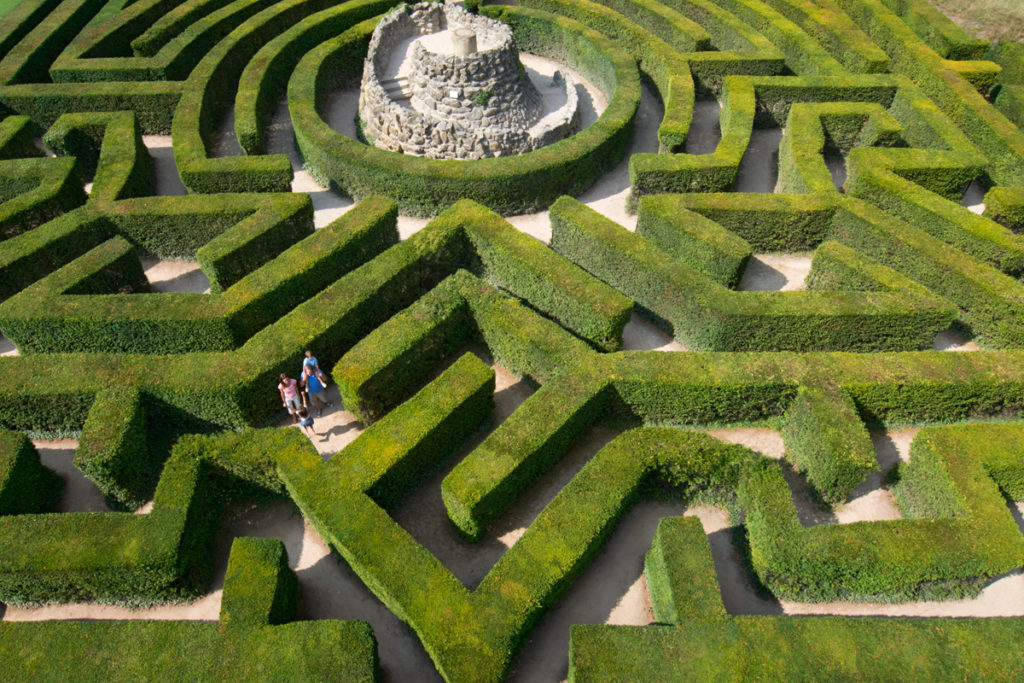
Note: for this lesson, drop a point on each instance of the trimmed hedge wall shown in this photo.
(16, 136)
(512, 185)
(259, 587)
(680, 573)
(703, 314)
(1005, 205)
(259, 593)
(36, 191)
(652, 35)
(162, 556)
(114, 450)
(827, 442)
(692, 239)
(989, 301)
(265, 77)
(998, 139)
(109, 148)
(388, 363)
(26, 485)
(44, 318)
(216, 78)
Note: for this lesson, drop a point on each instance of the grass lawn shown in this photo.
(990, 19)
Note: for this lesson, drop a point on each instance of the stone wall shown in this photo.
(460, 107)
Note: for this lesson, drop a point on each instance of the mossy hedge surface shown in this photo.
(169, 395)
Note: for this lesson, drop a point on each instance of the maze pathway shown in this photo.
(675, 398)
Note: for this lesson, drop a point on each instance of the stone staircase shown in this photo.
(397, 88)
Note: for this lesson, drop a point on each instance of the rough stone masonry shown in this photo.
(466, 96)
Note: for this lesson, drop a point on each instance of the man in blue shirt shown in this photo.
(314, 388)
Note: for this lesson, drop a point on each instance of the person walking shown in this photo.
(289, 390)
(306, 421)
(315, 390)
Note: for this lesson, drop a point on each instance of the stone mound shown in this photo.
(461, 94)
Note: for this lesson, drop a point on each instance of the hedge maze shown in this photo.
(170, 395)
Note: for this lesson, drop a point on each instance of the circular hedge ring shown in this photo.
(510, 185)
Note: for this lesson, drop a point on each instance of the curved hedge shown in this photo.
(511, 185)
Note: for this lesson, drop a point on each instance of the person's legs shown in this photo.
(320, 400)
(293, 405)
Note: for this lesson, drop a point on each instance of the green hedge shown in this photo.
(265, 76)
(836, 33)
(827, 443)
(692, 239)
(651, 34)
(16, 140)
(680, 573)
(517, 184)
(109, 148)
(395, 358)
(46, 316)
(259, 587)
(1010, 101)
(177, 54)
(910, 559)
(28, 61)
(165, 555)
(989, 301)
(937, 30)
(166, 227)
(396, 458)
(259, 593)
(153, 102)
(114, 450)
(1000, 141)
(36, 191)
(1005, 205)
(215, 80)
(26, 485)
(703, 314)
(231, 389)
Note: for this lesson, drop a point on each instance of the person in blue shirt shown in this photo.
(314, 389)
(310, 362)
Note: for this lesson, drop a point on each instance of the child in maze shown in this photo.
(315, 390)
(306, 421)
(310, 361)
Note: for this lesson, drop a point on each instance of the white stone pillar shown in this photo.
(463, 41)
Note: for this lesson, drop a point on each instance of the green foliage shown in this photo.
(388, 363)
(259, 588)
(109, 148)
(703, 314)
(890, 561)
(114, 450)
(26, 485)
(508, 185)
(142, 559)
(259, 593)
(827, 443)
(692, 239)
(36, 191)
(681, 573)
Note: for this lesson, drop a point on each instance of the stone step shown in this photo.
(397, 88)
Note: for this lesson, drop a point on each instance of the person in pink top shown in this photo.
(289, 390)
